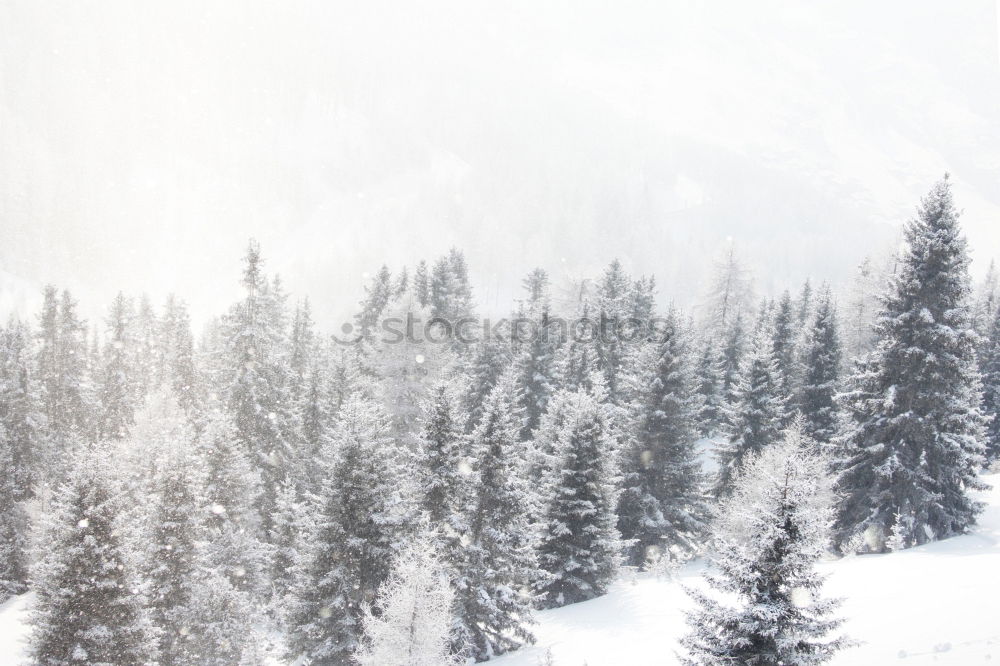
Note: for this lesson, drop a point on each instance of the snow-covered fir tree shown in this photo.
(445, 468)
(915, 436)
(494, 594)
(767, 608)
(20, 416)
(88, 608)
(989, 366)
(663, 506)
(176, 356)
(411, 621)
(256, 385)
(117, 391)
(364, 512)
(784, 338)
(580, 548)
(63, 373)
(13, 524)
(756, 413)
(822, 361)
(175, 527)
(708, 378)
(378, 294)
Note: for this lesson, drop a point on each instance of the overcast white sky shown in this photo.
(142, 143)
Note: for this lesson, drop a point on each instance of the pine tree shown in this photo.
(444, 462)
(756, 415)
(378, 295)
(769, 535)
(986, 301)
(412, 620)
(87, 609)
(176, 356)
(63, 372)
(915, 437)
(13, 524)
(494, 597)
(20, 417)
(613, 310)
(363, 514)
(422, 285)
(733, 351)
(257, 383)
(118, 393)
(176, 525)
(663, 506)
(143, 357)
(804, 305)
(580, 548)
(708, 377)
(233, 487)
(821, 379)
(783, 344)
(990, 369)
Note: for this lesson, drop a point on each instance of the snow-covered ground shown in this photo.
(936, 604)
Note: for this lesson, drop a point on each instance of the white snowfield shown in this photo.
(936, 604)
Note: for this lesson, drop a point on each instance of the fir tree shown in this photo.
(87, 609)
(990, 369)
(378, 295)
(783, 344)
(175, 351)
(257, 381)
(422, 285)
(915, 436)
(580, 545)
(363, 513)
(821, 379)
(20, 418)
(708, 377)
(663, 506)
(769, 535)
(494, 597)
(756, 414)
(117, 388)
(176, 525)
(13, 524)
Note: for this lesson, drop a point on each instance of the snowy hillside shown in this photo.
(935, 604)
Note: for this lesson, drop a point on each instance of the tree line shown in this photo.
(182, 501)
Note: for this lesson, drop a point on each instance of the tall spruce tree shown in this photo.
(257, 385)
(822, 359)
(363, 514)
(916, 431)
(756, 414)
(87, 608)
(709, 385)
(20, 416)
(494, 598)
(769, 535)
(580, 547)
(990, 368)
(118, 393)
(663, 507)
(784, 339)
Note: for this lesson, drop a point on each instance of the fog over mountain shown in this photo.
(141, 144)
